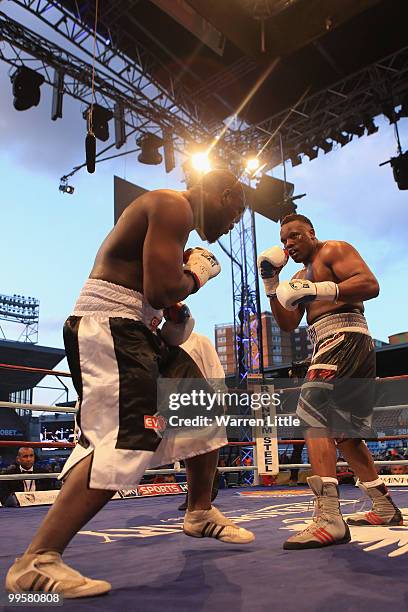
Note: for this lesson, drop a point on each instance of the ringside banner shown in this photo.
(152, 490)
(265, 434)
(395, 480)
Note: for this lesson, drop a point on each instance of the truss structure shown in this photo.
(153, 105)
(22, 311)
(351, 101)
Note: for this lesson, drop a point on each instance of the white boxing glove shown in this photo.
(270, 263)
(201, 264)
(301, 291)
(178, 325)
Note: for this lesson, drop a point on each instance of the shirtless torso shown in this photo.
(120, 257)
(332, 260)
(321, 269)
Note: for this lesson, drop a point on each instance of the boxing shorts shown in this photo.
(116, 359)
(338, 393)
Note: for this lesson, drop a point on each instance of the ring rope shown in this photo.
(242, 468)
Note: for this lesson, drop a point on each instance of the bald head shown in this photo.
(25, 457)
(220, 180)
(218, 203)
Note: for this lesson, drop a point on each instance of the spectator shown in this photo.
(24, 463)
(398, 470)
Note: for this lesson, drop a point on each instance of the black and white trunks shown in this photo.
(338, 393)
(116, 359)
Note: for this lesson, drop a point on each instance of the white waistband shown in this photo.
(99, 297)
(336, 323)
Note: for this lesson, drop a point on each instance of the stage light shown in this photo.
(341, 138)
(200, 162)
(388, 110)
(150, 144)
(404, 107)
(354, 128)
(100, 121)
(370, 127)
(325, 145)
(295, 159)
(252, 164)
(311, 152)
(399, 167)
(168, 150)
(120, 131)
(57, 95)
(65, 188)
(26, 88)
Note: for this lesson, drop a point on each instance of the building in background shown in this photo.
(301, 345)
(400, 338)
(224, 344)
(279, 347)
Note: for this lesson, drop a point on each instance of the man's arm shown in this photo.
(164, 281)
(288, 320)
(356, 282)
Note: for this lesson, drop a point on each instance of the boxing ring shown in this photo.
(138, 545)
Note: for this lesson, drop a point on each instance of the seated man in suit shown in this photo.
(24, 463)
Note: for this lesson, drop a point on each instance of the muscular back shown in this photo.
(120, 257)
(322, 269)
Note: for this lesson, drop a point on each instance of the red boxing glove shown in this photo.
(179, 324)
(177, 313)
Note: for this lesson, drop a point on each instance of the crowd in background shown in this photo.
(288, 455)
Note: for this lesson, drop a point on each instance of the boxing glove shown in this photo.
(201, 264)
(178, 325)
(270, 263)
(301, 291)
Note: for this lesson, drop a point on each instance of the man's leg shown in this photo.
(41, 567)
(200, 478)
(75, 505)
(201, 519)
(383, 511)
(199, 466)
(322, 453)
(359, 458)
(328, 526)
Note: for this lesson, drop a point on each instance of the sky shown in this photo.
(49, 240)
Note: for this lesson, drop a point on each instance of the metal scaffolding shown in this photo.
(350, 102)
(25, 312)
(152, 105)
